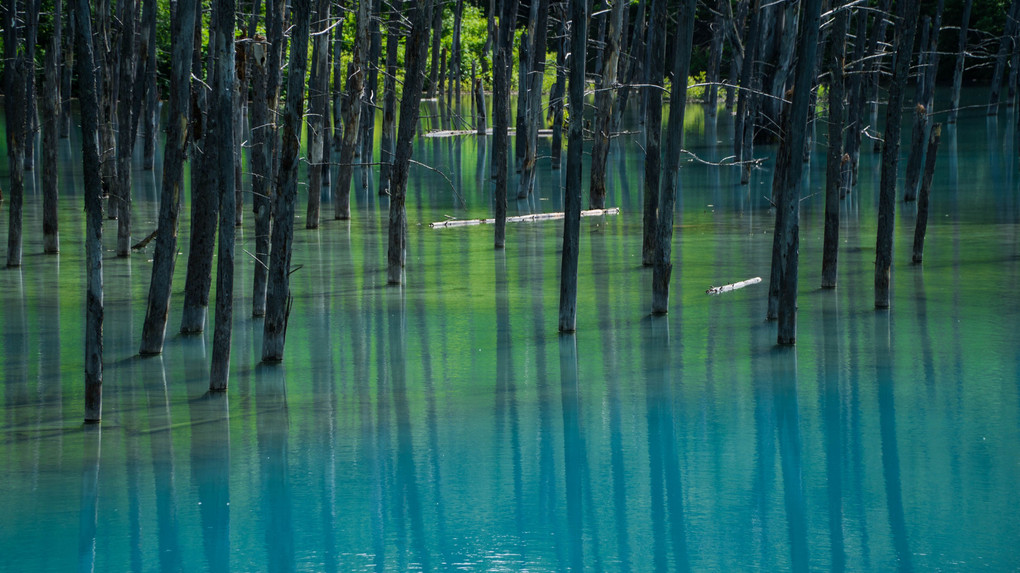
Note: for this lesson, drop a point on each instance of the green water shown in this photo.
(446, 425)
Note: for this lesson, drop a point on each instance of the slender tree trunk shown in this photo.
(93, 213)
(51, 135)
(106, 83)
(747, 76)
(653, 126)
(66, 68)
(662, 268)
(855, 99)
(221, 129)
(788, 174)
(834, 163)
(715, 53)
(925, 105)
(533, 113)
(1005, 48)
(437, 34)
(523, 73)
(906, 12)
(389, 123)
(559, 88)
(31, 19)
(164, 259)
(628, 64)
(278, 297)
(922, 201)
(16, 70)
(961, 57)
(604, 107)
(151, 97)
(501, 115)
(352, 116)
(368, 105)
(575, 150)
(318, 103)
(414, 59)
(124, 135)
(478, 93)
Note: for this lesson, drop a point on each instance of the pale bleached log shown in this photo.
(522, 218)
(734, 286)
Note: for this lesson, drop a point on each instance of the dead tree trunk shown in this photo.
(523, 63)
(278, 293)
(389, 123)
(558, 89)
(743, 124)
(16, 70)
(125, 141)
(922, 202)
(368, 105)
(501, 115)
(655, 58)
(924, 108)
(410, 104)
(789, 167)
(352, 116)
(66, 68)
(533, 112)
(961, 57)
(1005, 48)
(106, 84)
(834, 162)
(221, 129)
(93, 213)
(855, 99)
(31, 19)
(148, 43)
(437, 33)
(575, 150)
(318, 104)
(715, 54)
(604, 107)
(662, 269)
(51, 134)
(164, 259)
(906, 12)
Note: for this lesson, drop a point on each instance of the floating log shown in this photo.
(522, 218)
(734, 286)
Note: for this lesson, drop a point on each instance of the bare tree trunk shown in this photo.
(604, 108)
(575, 150)
(124, 135)
(318, 104)
(788, 175)
(834, 162)
(906, 12)
(368, 105)
(31, 19)
(148, 43)
(922, 201)
(533, 112)
(437, 33)
(662, 269)
(278, 293)
(352, 116)
(221, 129)
(961, 57)
(66, 67)
(51, 134)
(389, 124)
(410, 101)
(93, 213)
(715, 58)
(1005, 48)
(855, 99)
(653, 126)
(164, 258)
(745, 100)
(928, 61)
(556, 96)
(501, 115)
(106, 84)
(523, 63)
(16, 70)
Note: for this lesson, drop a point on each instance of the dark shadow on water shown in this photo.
(784, 385)
(832, 414)
(164, 472)
(272, 433)
(210, 474)
(574, 458)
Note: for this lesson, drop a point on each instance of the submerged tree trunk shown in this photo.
(352, 116)
(789, 166)
(1005, 47)
(922, 201)
(924, 108)
(368, 105)
(533, 113)
(662, 269)
(124, 134)
(221, 130)
(961, 57)
(16, 70)
(89, 103)
(414, 79)
(389, 123)
(575, 150)
(906, 12)
(715, 54)
(51, 117)
(604, 108)
(278, 293)
(834, 162)
(501, 116)
(164, 259)
(148, 43)
(653, 126)
(558, 89)
(318, 104)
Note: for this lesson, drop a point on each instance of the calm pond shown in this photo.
(447, 425)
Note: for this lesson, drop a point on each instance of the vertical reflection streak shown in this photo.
(784, 383)
(573, 450)
(162, 450)
(890, 449)
(89, 512)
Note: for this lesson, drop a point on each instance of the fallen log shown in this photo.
(734, 286)
(522, 218)
(141, 244)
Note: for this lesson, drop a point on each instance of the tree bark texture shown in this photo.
(164, 259)
(559, 88)
(1005, 47)
(961, 57)
(501, 116)
(653, 126)
(352, 116)
(929, 62)
(389, 123)
(415, 54)
(125, 141)
(148, 44)
(834, 163)
(205, 204)
(575, 150)
(921, 225)
(533, 113)
(318, 104)
(278, 292)
(906, 12)
(368, 105)
(662, 268)
(604, 107)
(16, 70)
(51, 135)
(89, 103)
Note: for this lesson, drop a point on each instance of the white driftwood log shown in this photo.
(734, 286)
(522, 218)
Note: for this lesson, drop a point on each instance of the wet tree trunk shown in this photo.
(631, 66)
(523, 65)
(501, 115)
(662, 269)
(923, 110)
(478, 93)
(51, 134)
(221, 130)
(278, 298)
(906, 12)
(1005, 48)
(437, 34)
(558, 89)
(789, 167)
(148, 42)
(457, 55)
(653, 126)
(31, 19)
(746, 96)
(855, 99)
(834, 163)
(266, 80)
(410, 102)
(922, 201)
(534, 96)
(106, 84)
(389, 123)
(368, 106)
(874, 56)
(961, 57)
(318, 104)
(352, 116)
(575, 151)
(124, 133)
(89, 103)
(164, 259)
(16, 70)
(604, 108)
(66, 68)
(715, 54)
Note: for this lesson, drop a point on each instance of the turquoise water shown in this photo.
(446, 425)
